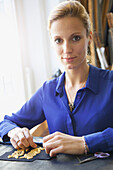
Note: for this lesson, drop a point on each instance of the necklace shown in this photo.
(71, 104)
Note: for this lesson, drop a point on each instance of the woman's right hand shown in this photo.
(21, 138)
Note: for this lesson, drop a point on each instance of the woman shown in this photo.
(78, 104)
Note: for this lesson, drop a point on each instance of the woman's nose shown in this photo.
(67, 48)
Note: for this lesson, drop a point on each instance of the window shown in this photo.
(12, 94)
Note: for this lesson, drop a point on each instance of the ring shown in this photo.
(17, 141)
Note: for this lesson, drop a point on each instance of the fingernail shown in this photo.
(35, 145)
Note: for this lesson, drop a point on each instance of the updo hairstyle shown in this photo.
(72, 9)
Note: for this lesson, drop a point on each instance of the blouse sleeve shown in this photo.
(100, 141)
(28, 116)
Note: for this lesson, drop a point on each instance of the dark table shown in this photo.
(61, 162)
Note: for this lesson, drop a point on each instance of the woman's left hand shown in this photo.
(62, 143)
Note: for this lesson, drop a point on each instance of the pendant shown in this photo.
(71, 106)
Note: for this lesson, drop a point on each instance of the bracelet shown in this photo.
(85, 147)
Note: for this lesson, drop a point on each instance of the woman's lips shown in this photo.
(69, 59)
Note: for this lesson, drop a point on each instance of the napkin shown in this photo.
(41, 156)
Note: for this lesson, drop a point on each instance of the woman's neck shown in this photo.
(77, 76)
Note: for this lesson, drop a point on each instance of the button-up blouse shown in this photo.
(92, 116)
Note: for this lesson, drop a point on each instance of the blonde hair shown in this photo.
(72, 9)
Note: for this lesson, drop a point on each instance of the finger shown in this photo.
(51, 145)
(55, 151)
(48, 137)
(14, 140)
(20, 145)
(19, 141)
(22, 139)
(14, 143)
(55, 137)
(29, 138)
(17, 145)
(32, 144)
(53, 148)
(49, 141)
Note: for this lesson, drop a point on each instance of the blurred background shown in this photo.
(26, 56)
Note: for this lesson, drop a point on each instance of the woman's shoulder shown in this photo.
(54, 81)
(102, 73)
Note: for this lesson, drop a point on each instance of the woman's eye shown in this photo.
(58, 41)
(76, 38)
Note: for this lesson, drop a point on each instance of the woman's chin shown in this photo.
(70, 67)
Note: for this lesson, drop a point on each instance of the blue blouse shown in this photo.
(92, 116)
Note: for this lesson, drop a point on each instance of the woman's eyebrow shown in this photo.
(56, 36)
(76, 33)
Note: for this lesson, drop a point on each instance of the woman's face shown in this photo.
(70, 41)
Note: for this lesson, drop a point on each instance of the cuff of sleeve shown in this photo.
(96, 142)
(4, 136)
